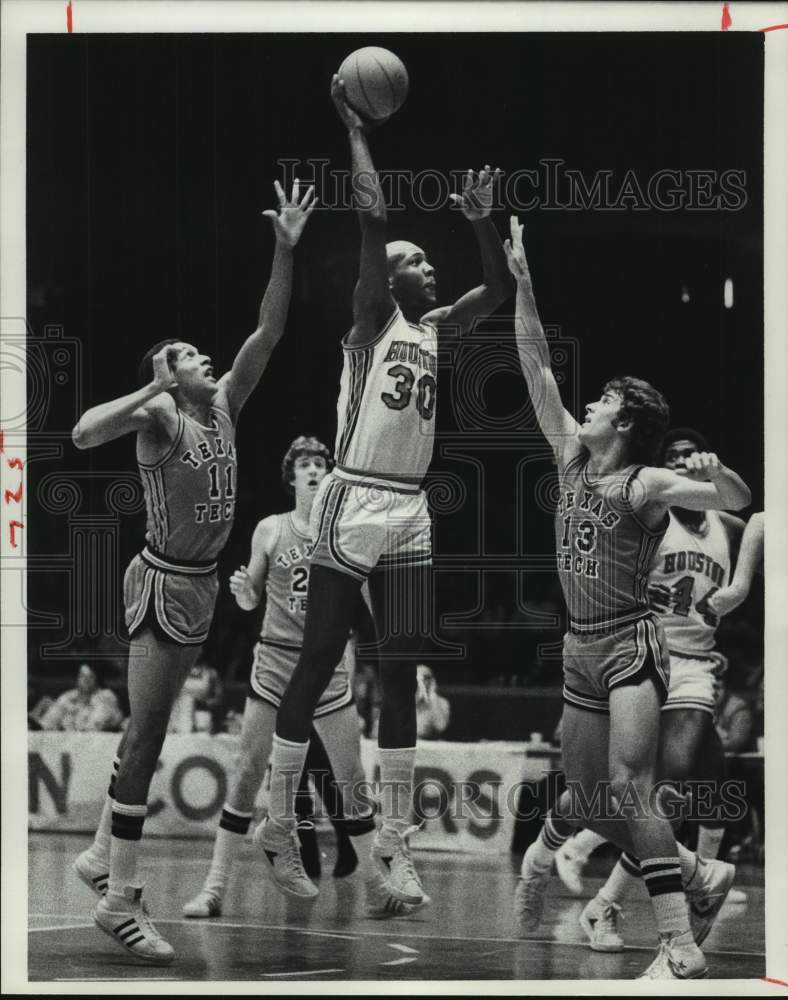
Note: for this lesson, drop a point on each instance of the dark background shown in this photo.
(151, 157)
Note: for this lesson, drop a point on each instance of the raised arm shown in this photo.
(727, 599)
(703, 484)
(557, 424)
(475, 202)
(252, 359)
(247, 582)
(150, 408)
(372, 301)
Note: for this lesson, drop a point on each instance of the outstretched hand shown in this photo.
(476, 199)
(515, 251)
(291, 217)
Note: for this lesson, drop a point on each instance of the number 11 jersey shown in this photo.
(386, 406)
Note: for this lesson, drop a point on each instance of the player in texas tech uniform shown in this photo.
(184, 419)
(693, 561)
(370, 520)
(279, 565)
(611, 516)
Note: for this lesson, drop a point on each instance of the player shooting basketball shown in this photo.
(184, 419)
(370, 519)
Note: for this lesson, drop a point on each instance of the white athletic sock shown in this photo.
(619, 882)
(233, 827)
(396, 787)
(287, 763)
(710, 841)
(99, 849)
(127, 821)
(662, 877)
(585, 843)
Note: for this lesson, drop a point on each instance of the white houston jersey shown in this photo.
(386, 407)
(687, 569)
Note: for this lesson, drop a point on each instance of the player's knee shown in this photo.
(630, 784)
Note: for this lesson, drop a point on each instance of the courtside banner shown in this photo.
(465, 794)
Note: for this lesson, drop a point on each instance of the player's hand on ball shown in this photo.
(701, 466)
(515, 251)
(725, 600)
(163, 361)
(350, 119)
(476, 200)
(291, 217)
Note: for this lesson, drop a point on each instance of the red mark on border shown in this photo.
(11, 526)
(726, 17)
(69, 18)
(775, 27)
(16, 497)
(766, 979)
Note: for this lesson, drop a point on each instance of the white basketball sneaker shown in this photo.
(95, 874)
(126, 921)
(706, 892)
(529, 894)
(282, 850)
(392, 859)
(569, 865)
(678, 958)
(600, 920)
(204, 906)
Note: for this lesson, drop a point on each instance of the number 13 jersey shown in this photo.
(386, 406)
(688, 568)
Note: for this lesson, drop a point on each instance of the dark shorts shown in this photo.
(175, 600)
(596, 663)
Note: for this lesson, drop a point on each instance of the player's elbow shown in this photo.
(743, 498)
(80, 438)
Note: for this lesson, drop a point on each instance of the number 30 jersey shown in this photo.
(286, 585)
(386, 406)
(689, 566)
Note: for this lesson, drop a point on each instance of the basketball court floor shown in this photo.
(466, 933)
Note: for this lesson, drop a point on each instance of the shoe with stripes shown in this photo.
(393, 862)
(706, 892)
(204, 906)
(125, 920)
(381, 905)
(94, 874)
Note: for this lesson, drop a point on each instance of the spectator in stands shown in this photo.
(432, 709)
(90, 706)
(37, 706)
(366, 692)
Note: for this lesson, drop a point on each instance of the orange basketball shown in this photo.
(376, 82)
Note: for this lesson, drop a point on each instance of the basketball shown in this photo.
(376, 82)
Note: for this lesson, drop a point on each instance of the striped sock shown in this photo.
(586, 842)
(127, 822)
(233, 827)
(100, 847)
(553, 834)
(662, 877)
